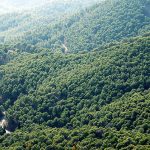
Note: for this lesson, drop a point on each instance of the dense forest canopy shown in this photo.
(75, 74)
(17, 25)
(100, 24)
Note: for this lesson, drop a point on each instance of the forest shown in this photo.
(97, 25)
(81, 82)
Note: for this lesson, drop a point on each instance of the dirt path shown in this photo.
(65, 47)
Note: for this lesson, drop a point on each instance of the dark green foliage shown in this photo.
(111, 20)
(97, 100)
(3, 55)
(106, 89)
(7, 53)
(2, 131)
(85, 138)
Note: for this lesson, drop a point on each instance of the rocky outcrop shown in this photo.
(8, 125)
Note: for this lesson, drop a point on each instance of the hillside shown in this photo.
(104, 93)
(103, 23)
(75, 75)
(17, 24)
(89, 137)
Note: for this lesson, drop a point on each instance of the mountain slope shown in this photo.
(76, 82)
(17, 24)
(103, 23)
(77, 90)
